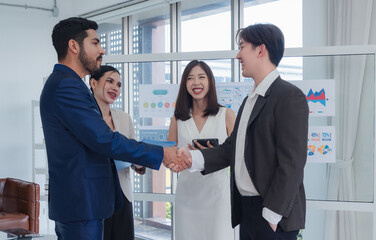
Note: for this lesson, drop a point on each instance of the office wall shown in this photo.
(27, 56)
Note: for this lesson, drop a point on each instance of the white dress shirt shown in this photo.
(242, 179)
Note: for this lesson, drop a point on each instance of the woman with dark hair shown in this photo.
(106, 85)
(202, 202)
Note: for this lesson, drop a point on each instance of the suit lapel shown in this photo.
(236, 125)
(93, 98)
(256, 109)
(260, 103)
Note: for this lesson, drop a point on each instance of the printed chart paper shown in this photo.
(321, 144)
(320, 96)
(231, 95)
(157, 100)
(153, 133)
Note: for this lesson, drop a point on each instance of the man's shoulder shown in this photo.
(285, 86)
(56, 77)
(284, 83)
(282, 90)
(61, 83)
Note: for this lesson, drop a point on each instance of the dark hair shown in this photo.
(101, 71)
(70, 28)
(184, 102)
(267, 34)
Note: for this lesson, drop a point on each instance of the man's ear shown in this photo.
(262, 50)
(73, 46)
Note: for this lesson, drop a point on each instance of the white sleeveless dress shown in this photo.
(203, 210)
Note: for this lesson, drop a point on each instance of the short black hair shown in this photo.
(184, 101)
(70, 28)
(267, 34)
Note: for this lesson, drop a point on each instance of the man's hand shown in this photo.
(174, 161)
(139, 169)
(273, 226)
(185, 155)
(183, 152)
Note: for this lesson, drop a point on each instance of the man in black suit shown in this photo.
(267, 149)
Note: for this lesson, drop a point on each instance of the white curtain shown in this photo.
(349, 23)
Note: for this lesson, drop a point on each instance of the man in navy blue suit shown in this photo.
(83, 182)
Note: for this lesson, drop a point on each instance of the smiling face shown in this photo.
(91, 52)
(107, 88)
(247, 56)
(197, 83)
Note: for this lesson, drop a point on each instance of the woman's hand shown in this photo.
(191, 147)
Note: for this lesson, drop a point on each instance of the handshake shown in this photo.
(176, 159)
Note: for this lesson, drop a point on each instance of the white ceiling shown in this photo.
(85, 6)
(69, 7)
(35, 3)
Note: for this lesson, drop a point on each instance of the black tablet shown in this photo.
(203, 141)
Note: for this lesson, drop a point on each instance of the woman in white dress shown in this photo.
(106, 85)
(203, 209)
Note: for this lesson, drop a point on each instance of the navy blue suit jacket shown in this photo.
(83, 183)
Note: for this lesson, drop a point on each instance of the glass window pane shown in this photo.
(151, 31)
(328, 224)
(153, 181)
(110, 35)
(205, 25)
(349, 177)
(221, 69)
(291, 68)
(286, 14)
(152, 220)
(150, 73)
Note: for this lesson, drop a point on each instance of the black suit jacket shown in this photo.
(275, 153)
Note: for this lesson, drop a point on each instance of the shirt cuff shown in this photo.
(197, 161)
(270, 216)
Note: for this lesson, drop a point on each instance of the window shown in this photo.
(110, 36)
(206, 25)
(287, 15)
(150, 33)
(199, 22)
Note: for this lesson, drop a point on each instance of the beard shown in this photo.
(89, 64)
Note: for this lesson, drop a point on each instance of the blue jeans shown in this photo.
(80, 230)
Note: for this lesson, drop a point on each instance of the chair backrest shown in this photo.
(21, 196)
